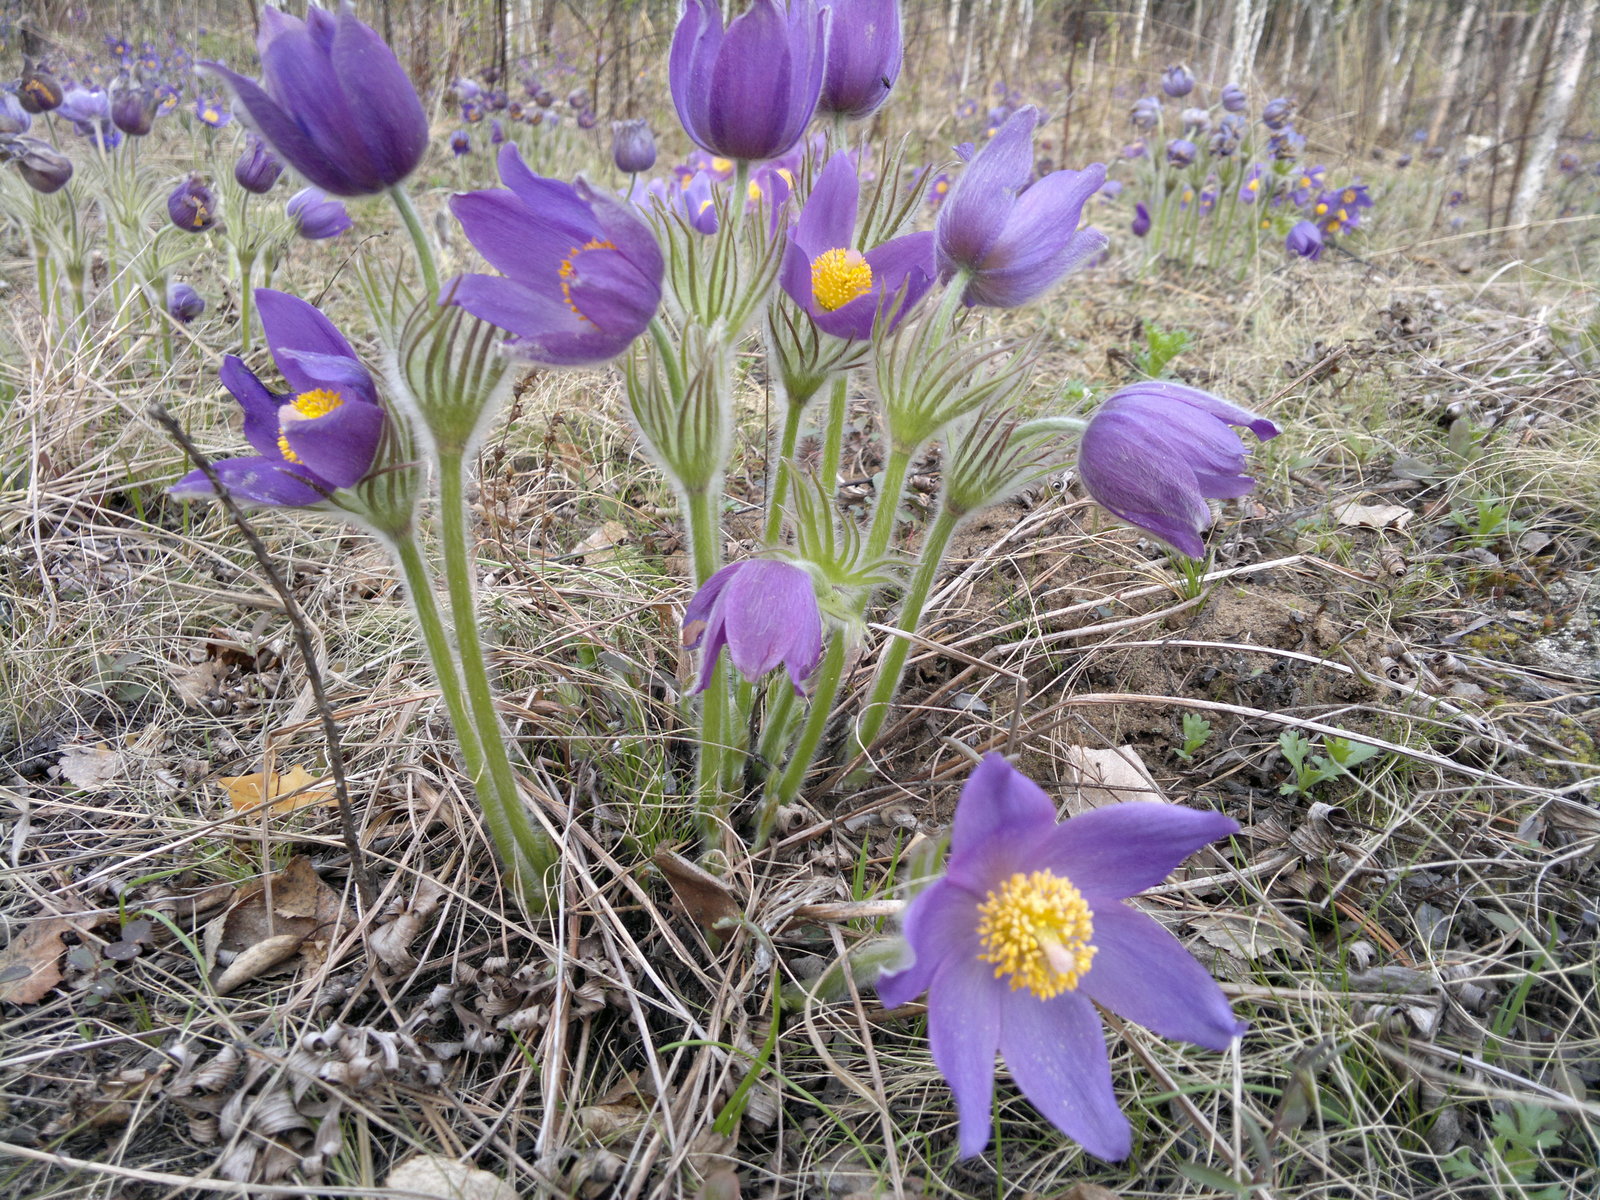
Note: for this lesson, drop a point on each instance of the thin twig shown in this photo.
(302, 638)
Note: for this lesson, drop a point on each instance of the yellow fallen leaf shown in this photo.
(295, 786)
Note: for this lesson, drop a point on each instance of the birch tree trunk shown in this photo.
(1573, 49)
(1452, 70)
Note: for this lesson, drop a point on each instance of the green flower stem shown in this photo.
(780, 710)
(780, 472)
(883, 517)
(805, 747)
(528, 851)
(669, 357)
(892, 663)
(419, 239)
(833, 433)
(705, 544)
(246, 260)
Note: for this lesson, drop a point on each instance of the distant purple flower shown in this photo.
(844, 291)
(1255, 180)
(471, 112)
(317, 215)
(1181, 152)
(865, 51)
(582, 271)
(1111, 189)
(1307, 186)
(321, 436)
(1136, 150)
(183, 302)
(967, 109)
(42, 167)
(1234, 98)
(211, 111)
(1286, 144)
(1014, 240)
(192, 206)
(133, 110)
(460, 143)
(334, 102)
(85, 107)
(578, 98)
(257, 168)
(1141, 220)
(587, 119)
(1155, 452)
(1145, 113)
(497, 132)
(1340, 208)
(14, 118)
(1305, 239)
(748, 93)
(1277, 113)
(544, 97)
(938, 189)
(633, 147)
(694, 197)
(1027, 931)
(1195, 120)
(1177, 81)
(765, 612)
(39, 91)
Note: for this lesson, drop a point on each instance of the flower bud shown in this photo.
(1177, 81)
(317, 215)
(184, 304)
(42, 167)
(39, 90)
(258, 168)
(192, 206)
(633, 147)
(1181, 152)
(134, 111)
(1234, 98)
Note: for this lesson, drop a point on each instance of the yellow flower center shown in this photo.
(1349, 196)
(838, 277)
(722, 165)
(1321, 209)
(569, 268)
(307, 406)
(753, 189)
(1253, 186)
(1036, 929)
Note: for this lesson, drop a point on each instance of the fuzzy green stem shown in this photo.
(247, 262)
(833, 432)
(780, 472)
(883, 516)
(705, 543)
(528, 852)
(419, 240)
(892, 662)
(775, 722)
(805, 747)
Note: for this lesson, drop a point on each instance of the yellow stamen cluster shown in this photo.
(568, 269)
(1036, 929)
(838, 277)
(307, 406)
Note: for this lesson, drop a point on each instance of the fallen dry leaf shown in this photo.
(1252, 935)
(199, 682)
(392, 942)
(297, 786)
(1108, 776)
(91, 767)
(1373, 516)
(704, 897)
(31, 965)
(447, 1179)
(261, 957)
(600, 546)
(294, 903)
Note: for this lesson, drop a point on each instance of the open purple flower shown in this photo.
(1154, 452)
(865, 51)
(192, 205)
(317, 215)
(582, 271)
(765, 612)
(1305, 239)
(333, 102)
(748, 93)
(1027, 927)
(322, 435)
(1013, 240)
(844, 290)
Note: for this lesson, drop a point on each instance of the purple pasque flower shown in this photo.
(211, 111)
(1012, 238)
(1305, 239)
(192, 206)
(1277, 113)
(1145, 113)
(184, 304)
(1181, 152)
(765, 612)
(320, 436)
(14, 118)
(1141, 220)
(333, 101)
(42, 167)
(845, 291)
(39, 91)
(317, 215)
(133, 110)
(748, 93)
(1255, 180)
(581, 272)
(257, 168)
(460, 143)
(633, 146)
(1155, 452)
(865, 52)
(1234, 98)
(694, 196)
(1027, 931)
(1177, 81)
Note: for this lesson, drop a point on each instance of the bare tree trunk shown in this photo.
(1452, 70)
(1573, 49)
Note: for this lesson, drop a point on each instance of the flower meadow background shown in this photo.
(1372, 226)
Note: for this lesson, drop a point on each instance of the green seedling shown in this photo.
(1339, 757)
(1196, 732)
(1513, 1154)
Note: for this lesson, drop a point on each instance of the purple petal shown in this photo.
(300, 77)
(260, 406)
(291, 323)
(519, 310)
(769, 610)
(561, 215)
(1120, 850)
(1056, 1051)
(975, 210)
(386, 113)
(1141, 972)
(280, 130)
(339, 446)
(750, 85)
(999, 802)
(964, 1027)
(499, 226)
(695, 46)
(1217, 407)
(255, 480)
(940, 921)
(704, 601)
(828, 220)
(620, 225)
(794, 277)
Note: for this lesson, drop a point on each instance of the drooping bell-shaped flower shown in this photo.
(42, 167)
(39, 90)
(1181, 152)
(1155, 452)
(748, 93)
(764, 612)
(1015, 240)
(581, 272)
(257, 168)
(865, 52)
(845, 291)
(1141, 220)
(133, 110)
(321, 436)
(333, 102)
(1277, 113)
(1305, 239)
(183, 302)
(192, 205)
(1177, 81)
(1028, 929)
(633, 147)
(317, 215)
